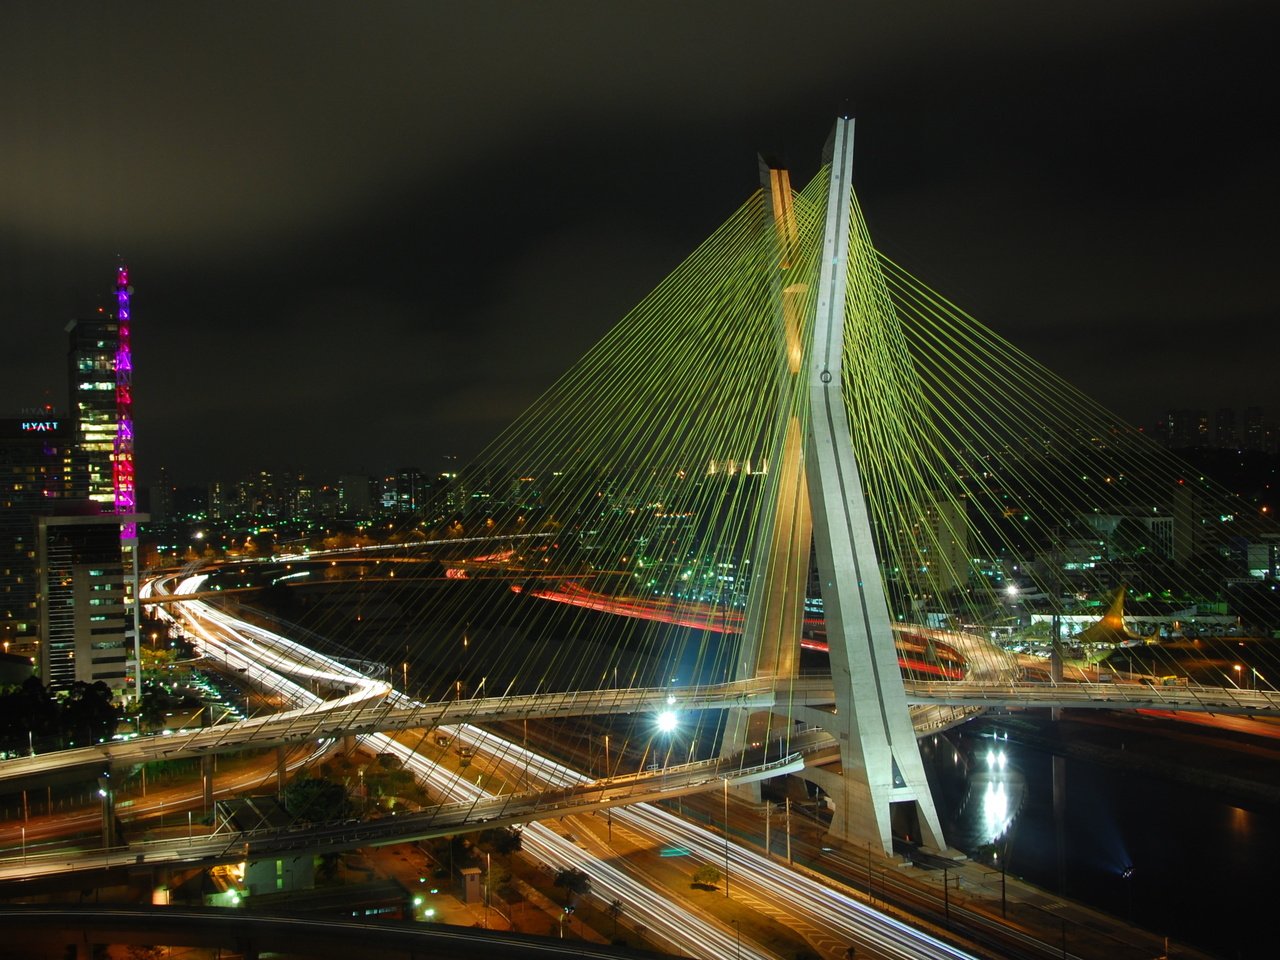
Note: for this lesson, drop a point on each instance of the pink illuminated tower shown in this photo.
(122, 480)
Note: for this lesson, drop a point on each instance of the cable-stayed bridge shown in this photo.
(791, 417)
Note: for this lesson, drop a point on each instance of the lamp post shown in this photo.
(788, 807)
(726, 836)
(768, 816)
(737, 932)
(1004, 902)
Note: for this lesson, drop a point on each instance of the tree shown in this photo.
(27, 715)
(707, 875)
(574, 881)
(328, 868)
(88, 715)
(615, 909)
(504, 840)
(316, 800)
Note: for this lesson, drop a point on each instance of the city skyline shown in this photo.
(376, 243)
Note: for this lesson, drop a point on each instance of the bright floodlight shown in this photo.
(667, 721)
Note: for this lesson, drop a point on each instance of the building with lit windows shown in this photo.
(411, 490)
(87, 610)
(40, 469)
(91, 357)
(93, 635)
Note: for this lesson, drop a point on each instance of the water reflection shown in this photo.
(1172, 857)
(985, 789)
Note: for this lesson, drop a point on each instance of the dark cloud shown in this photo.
(366, 235)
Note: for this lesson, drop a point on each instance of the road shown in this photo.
(841, 921)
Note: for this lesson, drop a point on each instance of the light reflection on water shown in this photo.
(989, 790)
(1175, 859)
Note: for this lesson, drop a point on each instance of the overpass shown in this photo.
(483, 812)
(389, 714)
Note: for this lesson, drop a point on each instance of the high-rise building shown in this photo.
(162, 497)
(39, 470)
(1224, 429)
(411, 490)
(100, 377)
(87, 582)
(91, 359)
(1187, 428)
(355, 494)
(1255, 430)
(100, 381)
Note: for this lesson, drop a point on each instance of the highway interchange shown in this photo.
(372, 711)
(834, 921)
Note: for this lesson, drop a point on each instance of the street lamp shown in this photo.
(726, 836)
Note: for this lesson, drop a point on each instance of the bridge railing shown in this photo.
(1199, 697)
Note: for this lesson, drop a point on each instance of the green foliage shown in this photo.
(28, 714)
(316, 800)
(573, 881)
(327, 869)
(707, 875)
(24, 710)
(504, 840)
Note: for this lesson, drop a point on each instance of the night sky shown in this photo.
(365, 236)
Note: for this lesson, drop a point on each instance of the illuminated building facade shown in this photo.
(92, 371)
(87, 612)
(100, 377)
(40, 469)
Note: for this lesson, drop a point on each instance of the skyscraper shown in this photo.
(39, 471)
(100, 376)
(88, 586)
(77, 568)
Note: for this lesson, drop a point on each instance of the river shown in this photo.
(1187, 861)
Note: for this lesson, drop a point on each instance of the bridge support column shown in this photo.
(770, 643)
(106, 792)
(1055, 661)
(880, 760)
(282, 771)
(206, 781)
